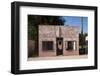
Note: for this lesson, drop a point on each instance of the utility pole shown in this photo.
(82, 40)
(82, 25)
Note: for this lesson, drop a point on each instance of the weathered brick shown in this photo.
(51, 32)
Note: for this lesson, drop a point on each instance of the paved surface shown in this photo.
(58, 57)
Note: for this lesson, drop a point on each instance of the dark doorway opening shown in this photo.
(59, 46)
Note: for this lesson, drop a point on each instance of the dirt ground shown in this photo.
(58, 57)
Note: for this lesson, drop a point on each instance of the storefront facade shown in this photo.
(54, 40)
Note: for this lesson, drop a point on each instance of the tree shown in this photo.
(82, 39)
(35, 20)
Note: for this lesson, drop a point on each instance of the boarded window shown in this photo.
(47, 45)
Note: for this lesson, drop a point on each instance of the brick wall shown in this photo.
(50, 32)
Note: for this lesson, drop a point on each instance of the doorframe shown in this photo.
(59, 52)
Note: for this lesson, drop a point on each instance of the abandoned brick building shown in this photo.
(58, 40)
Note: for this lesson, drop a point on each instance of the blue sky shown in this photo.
(76, 21)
